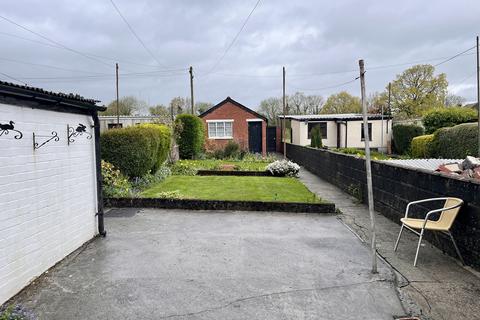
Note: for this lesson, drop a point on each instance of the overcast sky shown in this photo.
(318, 42)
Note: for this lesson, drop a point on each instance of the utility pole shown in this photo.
(478, 98)
(284, 120)
(368, 166)
(191, 89)
(116, 82)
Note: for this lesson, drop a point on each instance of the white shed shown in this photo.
(50, 181)
(340, 130)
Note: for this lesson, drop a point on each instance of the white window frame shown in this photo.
(216, 121)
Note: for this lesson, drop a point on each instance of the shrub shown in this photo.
(456, 142)
(129, 149)
(316, 137)
(162, 139)
(115, 184)
(421, 146)
(190, 135)
(448, 117)
(16, 312)
(231, 150)
(136, 150)
(149, 179)
(403, 135)
(283, 168)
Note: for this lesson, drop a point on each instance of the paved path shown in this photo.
(173, 264)
(439, 286)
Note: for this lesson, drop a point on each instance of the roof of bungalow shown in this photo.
(335, 117)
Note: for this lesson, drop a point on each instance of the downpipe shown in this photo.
(98, 170)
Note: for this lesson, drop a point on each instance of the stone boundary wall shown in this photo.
(394, 186)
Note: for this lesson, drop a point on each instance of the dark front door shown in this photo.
(271, 139)
(255, 136)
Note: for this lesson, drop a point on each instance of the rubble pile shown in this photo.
(469, 168)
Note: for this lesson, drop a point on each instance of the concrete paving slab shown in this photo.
(173, 264)
(438, 288)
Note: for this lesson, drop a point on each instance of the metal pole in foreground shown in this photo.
(284, 122)
(478, 98)
(368, 166)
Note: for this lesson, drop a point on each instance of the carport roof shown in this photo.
(67, 100)
(335, 117)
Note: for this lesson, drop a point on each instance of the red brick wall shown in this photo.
(239, 127)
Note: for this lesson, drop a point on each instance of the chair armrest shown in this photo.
(421, 201)
(440, 210)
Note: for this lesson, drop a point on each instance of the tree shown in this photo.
(297, 103)
(417, 90)
(376, 102)
(271, 108)
(127, 106)
(452, 100)
(342, 102)
(314, 103)
(316, 137)
(178, 105)
(159, 110)
(201, 107)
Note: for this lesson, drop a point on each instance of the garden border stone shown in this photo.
(193, 204)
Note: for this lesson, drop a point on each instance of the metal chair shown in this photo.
(447, 216)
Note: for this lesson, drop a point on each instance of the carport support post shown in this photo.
(368, 166)
(284, 122)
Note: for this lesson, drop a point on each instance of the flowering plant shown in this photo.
(283, 168)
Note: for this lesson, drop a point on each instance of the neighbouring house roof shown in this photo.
(335, 117)
(426, 164)
(56, 100)
(228, 99)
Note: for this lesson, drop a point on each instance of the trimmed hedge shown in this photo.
(456, 142)
(163, 139)
(136, 150)
(403, 135)
(190, 135)
(448, 117)
(421, 145)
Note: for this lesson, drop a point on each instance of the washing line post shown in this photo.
(368, 166)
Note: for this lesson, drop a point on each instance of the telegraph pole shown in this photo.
(116, 82)
(368, 166)
(191, 89)
(284, 121)
(478, 97)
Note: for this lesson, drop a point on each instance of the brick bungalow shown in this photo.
(230, 120)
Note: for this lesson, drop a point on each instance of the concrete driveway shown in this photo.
(167, 264)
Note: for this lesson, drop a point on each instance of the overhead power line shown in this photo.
(12, 78)
(49, 66)
(54, 42)
(455, 56)
(327, 87)
(234, 38)
(136, 35)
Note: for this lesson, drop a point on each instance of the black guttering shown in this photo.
(238, 104)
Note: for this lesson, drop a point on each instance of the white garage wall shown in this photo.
(47, 196)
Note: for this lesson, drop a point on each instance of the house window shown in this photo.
(323, 128)
(369, 132)
(220, 129)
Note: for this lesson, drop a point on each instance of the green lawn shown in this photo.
(233, 188)
(213, 164)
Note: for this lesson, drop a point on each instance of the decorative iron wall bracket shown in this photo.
(37, 145)
(72, 133)
(5, 129)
